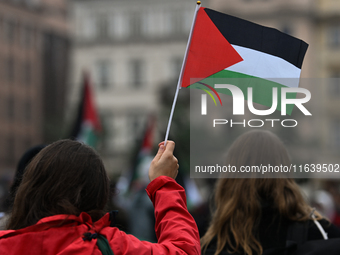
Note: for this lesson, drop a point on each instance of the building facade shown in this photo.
(130, 48)
(33, 55)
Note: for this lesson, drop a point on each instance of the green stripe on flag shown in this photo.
(88, 135)
(262, 88)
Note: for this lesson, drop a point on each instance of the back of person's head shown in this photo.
(66, 177)
(257, 147)
(239, 201)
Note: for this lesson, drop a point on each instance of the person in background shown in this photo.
(333, 187)
(23, 162)
(323, 202)
(252, 215)
(59, 207)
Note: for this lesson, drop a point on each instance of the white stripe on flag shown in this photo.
(266, 66)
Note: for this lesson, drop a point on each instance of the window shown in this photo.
(136, 73)
(103, 72)
(27, 73)
(136, 24)
(1, 28)
(28, 110)
(121, 134)
(175, 22)
(9, 31)
(136, 126)
(187, 21)
(146, 23)
(334, 84)
(334, 36)
(33, 3)
(153, 24)
(10, 149)
(10, 69)
(88, 27)
(2, 69)
(175, 67)
(25, 39)
(10, 107)
(102, 26)
(167, 26)
(118, 26)
(335, 134)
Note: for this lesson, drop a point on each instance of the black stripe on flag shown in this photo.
(251, 35)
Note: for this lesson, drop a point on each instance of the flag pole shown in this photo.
(198, 5)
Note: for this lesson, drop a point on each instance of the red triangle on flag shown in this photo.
(147, 144)
(209, 51)
(89, 110)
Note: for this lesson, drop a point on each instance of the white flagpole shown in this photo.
(198, 5)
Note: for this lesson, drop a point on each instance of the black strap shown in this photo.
(112, 218)
(298, 232)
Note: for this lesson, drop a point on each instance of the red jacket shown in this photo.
(176, 230)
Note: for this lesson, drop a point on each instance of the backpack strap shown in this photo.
(322, 231)
(102, 242)
(113, 215)
(298, 232)
(104, 246)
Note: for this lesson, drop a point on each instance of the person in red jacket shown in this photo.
(59, 207)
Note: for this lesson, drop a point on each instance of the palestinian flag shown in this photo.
(136, 178)
(87, 125)
(244, 54)
(144, 156)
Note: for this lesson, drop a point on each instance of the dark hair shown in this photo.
(66, 177)
(23, 162)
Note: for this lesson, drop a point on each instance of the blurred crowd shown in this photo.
(135, 210)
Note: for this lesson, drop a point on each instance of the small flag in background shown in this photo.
(145, 155)
(87, 126)
(224, 46)
(137, 177)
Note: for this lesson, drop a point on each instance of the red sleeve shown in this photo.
(169, 200)
(176, 230)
